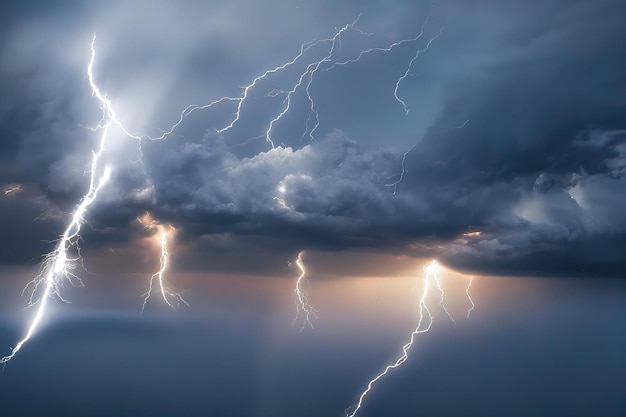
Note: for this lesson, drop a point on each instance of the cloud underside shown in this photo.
(526, 145)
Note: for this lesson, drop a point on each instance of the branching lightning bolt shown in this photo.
(311, 69)
(408, 68)
(424, 324)
(171, 298)
(59, 265)
(304, 309)
(304, 82)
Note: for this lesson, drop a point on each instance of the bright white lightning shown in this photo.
(171, 298)
(424, 324)
(402, 171)
(310, 71)
(304, 309)
(59, 265)
(442, 300)
(408, 69)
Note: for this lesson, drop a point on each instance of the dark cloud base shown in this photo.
(516, 130)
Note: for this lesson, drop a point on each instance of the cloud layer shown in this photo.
(516, 129)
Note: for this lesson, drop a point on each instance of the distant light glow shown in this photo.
(12, 189)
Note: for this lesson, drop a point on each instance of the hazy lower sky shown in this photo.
(372, 135)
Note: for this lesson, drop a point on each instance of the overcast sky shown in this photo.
(516, 127)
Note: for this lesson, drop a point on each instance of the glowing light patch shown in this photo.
(12, 189)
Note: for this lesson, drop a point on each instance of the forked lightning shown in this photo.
(163, 234)
(424, 323)
(59, 265)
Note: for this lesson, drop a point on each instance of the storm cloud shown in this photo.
(516, 128)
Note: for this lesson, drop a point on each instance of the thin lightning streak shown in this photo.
(378, 49)
(303, 49)
(305, 80)
(242, 98)
(311, 69)
(408, 69)
(425, 316)
(316, 67)
(304, 309)
(469, 297)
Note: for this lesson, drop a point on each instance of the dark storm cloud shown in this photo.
(517, 114)
(545, 123)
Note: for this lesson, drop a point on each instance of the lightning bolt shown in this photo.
(402, 170)
(304, 82)
(171, 298)
(60, 265)
(469, 297)
(424, 324)
(408, 68)
(304, 309)
(407, 71)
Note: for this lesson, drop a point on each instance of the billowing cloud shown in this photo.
(516, 129)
